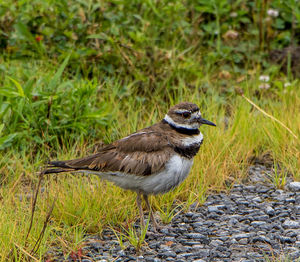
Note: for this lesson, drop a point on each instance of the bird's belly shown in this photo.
(177, 169)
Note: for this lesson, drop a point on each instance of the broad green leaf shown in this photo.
(8, 93)
(1, 128)
(59, 72)
(18, 86)
(6, 140)
(23, 30)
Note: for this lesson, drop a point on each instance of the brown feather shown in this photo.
(139, 154)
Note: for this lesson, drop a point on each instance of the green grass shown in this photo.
(72, 76)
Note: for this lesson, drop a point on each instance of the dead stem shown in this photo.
(39, 240)
(26, 253)
(34, 205)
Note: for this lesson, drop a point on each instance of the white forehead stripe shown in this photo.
(179, 111)
(196, 115)
(169, 120)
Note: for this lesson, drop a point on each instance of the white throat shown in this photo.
(170, 121)
(188, 141)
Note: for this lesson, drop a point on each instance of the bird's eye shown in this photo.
(186, 114)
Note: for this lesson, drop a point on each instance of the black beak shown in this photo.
(206, 122)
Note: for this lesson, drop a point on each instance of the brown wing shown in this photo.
(142, 153)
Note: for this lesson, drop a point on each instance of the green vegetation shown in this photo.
(78, 73)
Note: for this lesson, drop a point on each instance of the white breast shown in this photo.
(176, 170)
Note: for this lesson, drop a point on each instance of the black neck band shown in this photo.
(183, 130)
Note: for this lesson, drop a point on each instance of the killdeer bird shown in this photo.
(150, 161)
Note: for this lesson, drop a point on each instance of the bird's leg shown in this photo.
(139, 204)
(155, 224)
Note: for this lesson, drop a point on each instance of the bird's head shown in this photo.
(186, 115)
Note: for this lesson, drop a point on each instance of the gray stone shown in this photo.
(170, 239)
(290, 200)
(121, 253)
(258, 223)
(197, 236)
(261, 217)
(295, 254)
(185, 255)
(294, 186)
(221, 254)
(164, 248)
(253, 254)
(216, 208)
(233, 221)
(270, 211)
(292, 233)
(257, 177)
(263, 189)
(169, 254)
(189, 243)
(243, 241)
(261, 238)
(216, 242)
(250, 188)
(233, 241)
(240, 236)
(257, 199)
(164, 231)
(284, 239)
(290, 224)
(197, 247)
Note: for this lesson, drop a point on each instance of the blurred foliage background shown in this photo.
(143, 47)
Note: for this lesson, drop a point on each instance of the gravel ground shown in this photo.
(254, 222)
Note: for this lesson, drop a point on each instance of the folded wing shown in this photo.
(141, 154)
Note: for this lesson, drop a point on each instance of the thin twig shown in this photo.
(39, 240)
(268, 115)
(26, 253)
(34, 205)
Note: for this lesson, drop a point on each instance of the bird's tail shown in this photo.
(55, 167)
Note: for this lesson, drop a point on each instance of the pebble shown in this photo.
(248, 224)
(216, 242)
(270, 211)
(240, 236)
(294, 186)
(290, 224)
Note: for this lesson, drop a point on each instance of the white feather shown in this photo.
(192, 140)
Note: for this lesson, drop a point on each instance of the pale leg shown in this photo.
(156, 226)
(139, 204)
